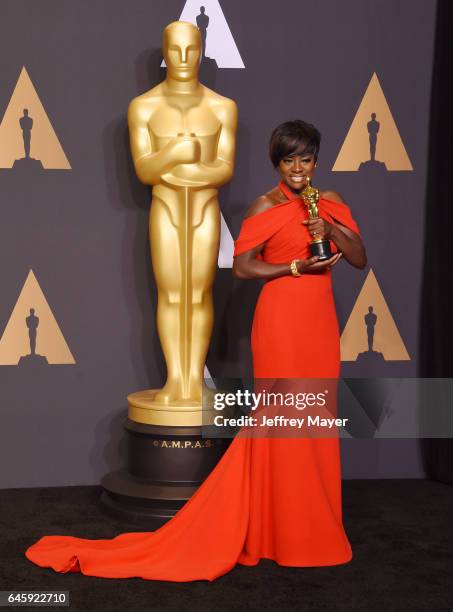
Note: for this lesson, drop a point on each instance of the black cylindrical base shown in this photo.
(165, 467)
(321, 249)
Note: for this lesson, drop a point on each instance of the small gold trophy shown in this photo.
(320, 246)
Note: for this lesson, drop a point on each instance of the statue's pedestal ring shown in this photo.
(168, 459)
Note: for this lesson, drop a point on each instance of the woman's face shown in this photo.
(295, 170)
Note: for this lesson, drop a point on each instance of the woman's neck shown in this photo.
(288, 191)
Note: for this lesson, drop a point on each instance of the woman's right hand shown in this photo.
(312, 265)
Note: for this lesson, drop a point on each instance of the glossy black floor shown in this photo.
(401, 533)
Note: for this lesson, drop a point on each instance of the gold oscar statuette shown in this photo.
(320, 246)
(182, 138)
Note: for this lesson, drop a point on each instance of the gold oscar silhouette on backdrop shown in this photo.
(182, 138)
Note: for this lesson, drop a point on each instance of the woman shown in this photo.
(276, 233)
(275, 498)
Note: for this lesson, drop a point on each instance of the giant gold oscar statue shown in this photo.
(182, 138)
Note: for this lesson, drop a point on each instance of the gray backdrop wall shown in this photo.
(83, 231)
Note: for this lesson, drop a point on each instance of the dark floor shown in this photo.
(401, 532)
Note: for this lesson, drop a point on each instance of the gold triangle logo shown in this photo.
(27, 138)
(32, 335)
(373, 142)
(371, 335)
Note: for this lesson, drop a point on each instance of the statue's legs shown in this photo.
(373, 142)
(203, 44)
(27, 140)
(32, 336)
(165, 253)
(205, 254)
(184, 247)
(370, 334)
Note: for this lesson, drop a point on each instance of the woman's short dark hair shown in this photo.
(294, 138)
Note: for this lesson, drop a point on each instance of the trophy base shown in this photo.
(128, 499)
(165, 466)
(143, 408)
(321, 248)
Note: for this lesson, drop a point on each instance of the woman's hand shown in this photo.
(312, 265)
(318, 228)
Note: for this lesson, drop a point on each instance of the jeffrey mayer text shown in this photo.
(278, 421)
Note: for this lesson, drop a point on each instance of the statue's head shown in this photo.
(181, 48)
(370, 309)
(32, 311)
(25, 111)
(373, 116)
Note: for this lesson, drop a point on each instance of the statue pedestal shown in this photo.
(28, 164)
(144, 409)
(166, 465)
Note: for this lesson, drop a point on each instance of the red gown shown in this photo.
(268, 497)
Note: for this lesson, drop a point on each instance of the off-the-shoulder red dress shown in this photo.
(268, 497)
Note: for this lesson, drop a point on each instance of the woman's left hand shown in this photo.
(318, 228)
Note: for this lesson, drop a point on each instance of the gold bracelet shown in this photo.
(294, 270)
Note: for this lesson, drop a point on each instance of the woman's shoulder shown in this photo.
(264, 202)
(333, 196)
